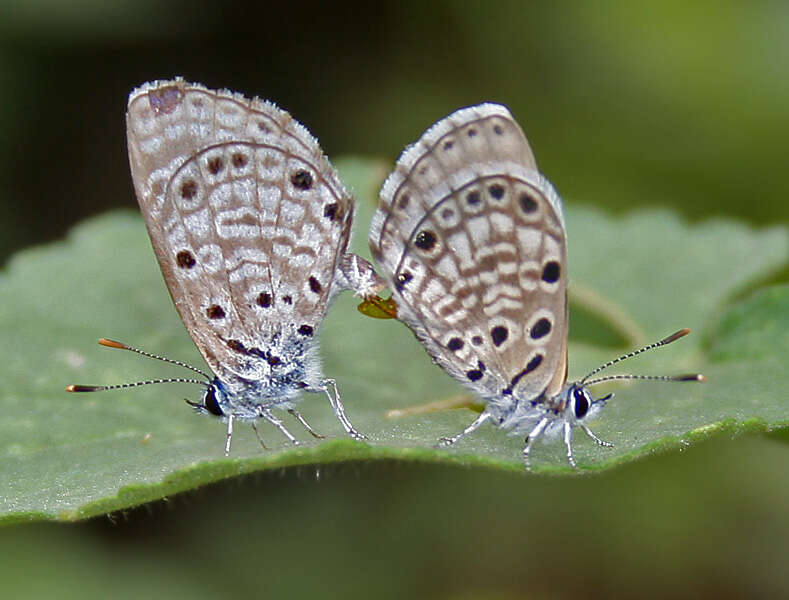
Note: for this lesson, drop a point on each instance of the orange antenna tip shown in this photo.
(83, 388)
(690, 377)
(112, 344)
(675, 336)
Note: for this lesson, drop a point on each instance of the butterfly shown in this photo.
(471, 240)
(250, 225)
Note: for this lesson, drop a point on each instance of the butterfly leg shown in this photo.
(448, 441)
(306, 425)
(597, 440)
(339, 409)
(266, 414)
(257, 433)
(568, 443)
(229, 434)
(535, 433)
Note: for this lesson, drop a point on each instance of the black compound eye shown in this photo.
(581, 403)
(210, 403)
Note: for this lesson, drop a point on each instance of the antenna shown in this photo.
(689, 377)
(665, 341)
(122, 346)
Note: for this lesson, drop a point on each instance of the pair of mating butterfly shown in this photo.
(250, 224)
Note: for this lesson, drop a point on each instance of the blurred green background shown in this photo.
(625, 104)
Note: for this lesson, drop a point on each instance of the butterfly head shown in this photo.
(211, 402)
(579, 404)
(223, 400)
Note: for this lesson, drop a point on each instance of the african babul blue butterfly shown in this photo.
(471, 240)
(250, 225)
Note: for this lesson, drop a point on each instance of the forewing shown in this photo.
(246, 216)
(471, 239)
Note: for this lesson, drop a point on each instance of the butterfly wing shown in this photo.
(471, 240)
(248, 219)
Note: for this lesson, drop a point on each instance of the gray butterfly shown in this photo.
(471, 239)
(250, 225)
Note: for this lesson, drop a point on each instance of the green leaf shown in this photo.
(69, 456)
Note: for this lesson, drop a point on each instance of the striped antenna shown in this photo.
(665, 341)
(122, 346)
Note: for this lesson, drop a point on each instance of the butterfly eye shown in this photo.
(210, 403)
(581, 403)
